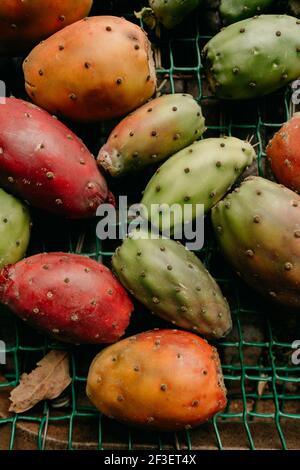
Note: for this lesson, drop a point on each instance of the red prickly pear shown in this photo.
(283, 153)
(165, 380)
(43, 162)
(70, 297)
(98, 68)
(25, 23)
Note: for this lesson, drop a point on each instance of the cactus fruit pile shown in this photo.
(87, 70)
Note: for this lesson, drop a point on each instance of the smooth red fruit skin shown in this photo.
(23, 23)
(70, 297)
(46, 164)
(283, 152)
(165, 380)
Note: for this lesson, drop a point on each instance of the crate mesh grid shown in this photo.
(250, 386)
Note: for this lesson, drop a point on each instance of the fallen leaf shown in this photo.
(47, 381)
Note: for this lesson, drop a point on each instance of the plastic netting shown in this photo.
(263, 385)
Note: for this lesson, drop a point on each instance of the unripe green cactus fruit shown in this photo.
(253, 57)
(14, 229)
(173, 283)
(199, 174)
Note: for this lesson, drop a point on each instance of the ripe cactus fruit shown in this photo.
(284, 154)
(168, 13)
(173, 283)
(253, 57)
(97, 68)
(70, 297)
(24, 23)
(152, 133)
(258, 229)
(14, 229)
(203, 173)
(165, 380)
(43, 162)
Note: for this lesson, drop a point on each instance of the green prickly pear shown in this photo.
(14, 229)
(253, 57)
(173, 283)
(258, 229)
(236, 10)
(168, 13)
(152, 133)
(199, 174)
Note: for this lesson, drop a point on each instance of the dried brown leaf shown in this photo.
(47, 381)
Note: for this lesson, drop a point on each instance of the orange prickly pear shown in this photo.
(24, 23)
(165, 380)
(98, 68)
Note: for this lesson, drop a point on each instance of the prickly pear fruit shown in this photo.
(284, 154)
(294, 6)
(202, 172)
(152, 133)
(225, 12)
(43, 162)
(258, 229)
(165, 380)
(253, 57)
(173, 283)
(25, 23)
(70, 297)
(169, 13)
(98, 68)
(14, 229)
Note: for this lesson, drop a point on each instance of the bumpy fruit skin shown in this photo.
(44, 163)
(163, 380)
(199, 174)
(25, 23)
(253, 57)
(152, 133)
(14, 229)
(283, 153)
(258, 229)
(70, 297)
(169, 13)
(97, 68)
(173, 283)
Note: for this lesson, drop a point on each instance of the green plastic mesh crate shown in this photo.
(263, 410)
